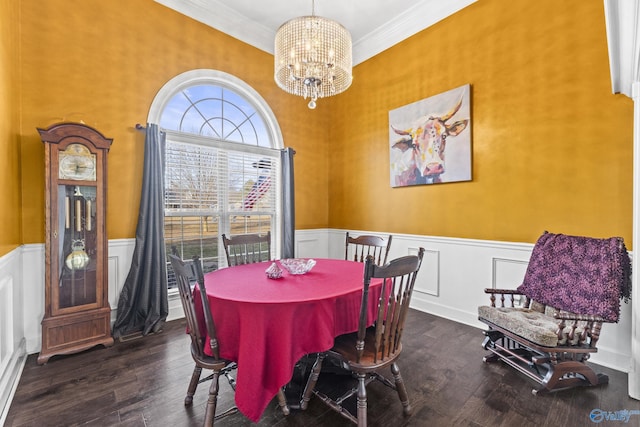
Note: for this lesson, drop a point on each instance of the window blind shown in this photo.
(215, 188)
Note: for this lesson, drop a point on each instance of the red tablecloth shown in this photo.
(267, 325)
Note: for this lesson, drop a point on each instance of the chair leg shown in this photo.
(311, 382)
(361, 401)
(195, 378)
(401, 389)
(210, 411)
(569, 374)
(282, 401)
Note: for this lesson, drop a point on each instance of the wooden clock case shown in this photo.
(77, 312)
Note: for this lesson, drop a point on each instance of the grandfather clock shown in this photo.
(77, 313)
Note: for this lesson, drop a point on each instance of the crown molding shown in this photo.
(622, 18)
(224, 18)
(419, 17)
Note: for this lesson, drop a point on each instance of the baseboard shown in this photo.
(446, 312)
(612, 359)
(10, 379)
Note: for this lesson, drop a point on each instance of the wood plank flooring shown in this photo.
(143, 383)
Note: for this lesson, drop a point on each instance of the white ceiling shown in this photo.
(375, 25)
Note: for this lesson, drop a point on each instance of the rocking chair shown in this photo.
(549, 326)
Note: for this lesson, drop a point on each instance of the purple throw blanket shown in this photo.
(582, 275)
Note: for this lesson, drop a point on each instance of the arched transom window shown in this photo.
(216, 112)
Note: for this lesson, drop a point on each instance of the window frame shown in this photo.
(227, 81)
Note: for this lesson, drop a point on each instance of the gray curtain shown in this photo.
(288, 202)
(143, 305)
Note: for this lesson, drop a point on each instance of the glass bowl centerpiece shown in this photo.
(297, 265)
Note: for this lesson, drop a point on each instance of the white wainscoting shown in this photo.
(450, 284)
(455, 273)
(13, 350)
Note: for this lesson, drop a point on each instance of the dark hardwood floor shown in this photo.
(143, 383)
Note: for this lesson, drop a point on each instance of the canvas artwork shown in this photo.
(420, 134)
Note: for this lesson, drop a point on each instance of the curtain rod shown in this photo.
(140, 127)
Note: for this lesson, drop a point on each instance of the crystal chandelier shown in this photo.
(312, 57)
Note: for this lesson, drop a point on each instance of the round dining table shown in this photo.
(266, 325)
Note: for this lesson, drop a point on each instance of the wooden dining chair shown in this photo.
(199, 342)
(247, 248)
(358, 248)
(372, 348)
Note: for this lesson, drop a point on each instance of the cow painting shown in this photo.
(420, 134)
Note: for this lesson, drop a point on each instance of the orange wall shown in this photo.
(102, 62)
(552, 146)
(9, 141)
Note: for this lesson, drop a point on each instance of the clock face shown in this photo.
(77, 163)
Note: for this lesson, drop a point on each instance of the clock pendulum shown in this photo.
(78, 259)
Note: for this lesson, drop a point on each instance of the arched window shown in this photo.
(222, 164)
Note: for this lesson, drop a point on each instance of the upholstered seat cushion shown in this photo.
(532, 325)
